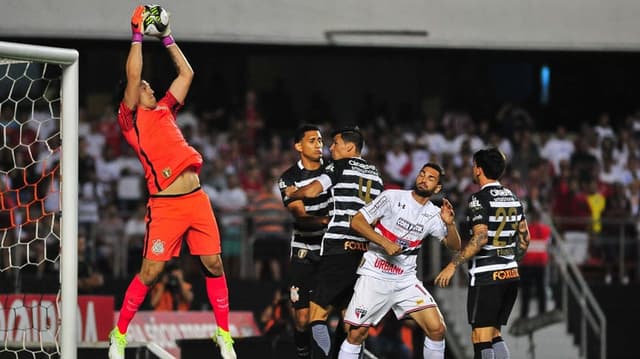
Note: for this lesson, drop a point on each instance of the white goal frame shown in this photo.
(68, 59)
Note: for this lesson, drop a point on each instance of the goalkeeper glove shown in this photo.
(165, 36)
(137, 20)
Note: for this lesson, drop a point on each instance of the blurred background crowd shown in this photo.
(587, 178)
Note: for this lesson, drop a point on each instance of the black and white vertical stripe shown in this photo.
(501, 210)
(354, 183)
(305, 237)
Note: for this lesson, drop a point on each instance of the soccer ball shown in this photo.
(156, 21)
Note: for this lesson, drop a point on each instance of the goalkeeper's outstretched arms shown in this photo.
(134, 60)
(180, 86)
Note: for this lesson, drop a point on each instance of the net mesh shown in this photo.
(29, 208)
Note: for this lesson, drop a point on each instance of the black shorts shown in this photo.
(270, 247)
(303, 269)
(491, 305)
(335, 279)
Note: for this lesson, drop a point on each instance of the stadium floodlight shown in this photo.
(38, 167)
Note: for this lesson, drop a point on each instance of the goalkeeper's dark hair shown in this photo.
(351, 134)
(438, 169)
(492, 161)
(302, 129)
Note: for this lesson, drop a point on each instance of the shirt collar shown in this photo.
(491, 184)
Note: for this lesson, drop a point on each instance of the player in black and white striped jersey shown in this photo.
(500, 237)
(310, 224)
(353, 182)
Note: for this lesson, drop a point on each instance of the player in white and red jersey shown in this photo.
(401, 220)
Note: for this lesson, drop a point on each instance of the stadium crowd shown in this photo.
(587, 178)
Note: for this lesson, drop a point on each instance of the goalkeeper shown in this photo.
(171, 168)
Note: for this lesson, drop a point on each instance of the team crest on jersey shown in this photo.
(293, 294)
(157, 247)
(360, 312)
(166, 172)
(281, 184)
(302, 253)
(474, 203)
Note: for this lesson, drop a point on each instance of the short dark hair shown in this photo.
(302, 129)
(436, 167)
(351, 134)
(492, 161)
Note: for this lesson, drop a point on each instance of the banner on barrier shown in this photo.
(26, 317)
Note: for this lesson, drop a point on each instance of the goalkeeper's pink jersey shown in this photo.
(158, 142)
(404, 221)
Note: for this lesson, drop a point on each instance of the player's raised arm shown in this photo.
(452, 240)
(181, 84)
(134, 60)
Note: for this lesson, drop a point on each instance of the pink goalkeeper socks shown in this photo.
(134, 296)
(219, 298)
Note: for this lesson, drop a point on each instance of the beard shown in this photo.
(422, 192)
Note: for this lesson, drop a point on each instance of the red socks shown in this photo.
(219, 298)
(134, 296)
(217, 292)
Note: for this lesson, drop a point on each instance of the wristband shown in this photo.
(136, 37)
(168, 40)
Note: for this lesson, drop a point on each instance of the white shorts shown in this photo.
(373, 297)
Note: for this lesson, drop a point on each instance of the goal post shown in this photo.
(67, 59)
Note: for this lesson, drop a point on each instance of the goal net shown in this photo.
(38, 201)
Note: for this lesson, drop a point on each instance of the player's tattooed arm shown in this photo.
(523, 240)
(479, 239)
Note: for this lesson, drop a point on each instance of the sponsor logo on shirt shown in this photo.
(506, 274)
(408, 226)
(355, 246)
(387, 267)
(501, 192)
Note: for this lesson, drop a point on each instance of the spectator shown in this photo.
(617, 223)
(434, 139)
(230, 203)
(134, 232)
(111, 249)
(396, 159)
(172, 292)
(88, 278)
(251, 179)
(271, 234)
(558, 148)
(276, 319)
(534, 264)
(385, 340)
